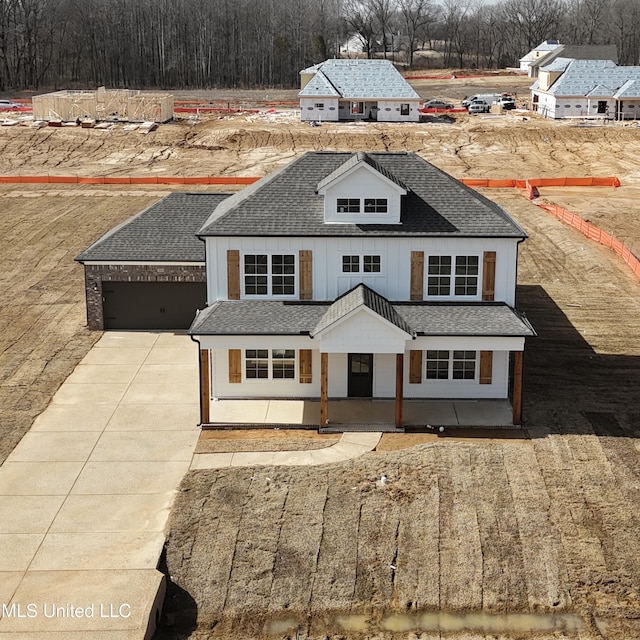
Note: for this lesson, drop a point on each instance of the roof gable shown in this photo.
(319, 86)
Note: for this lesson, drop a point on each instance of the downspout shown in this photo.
(199, 378)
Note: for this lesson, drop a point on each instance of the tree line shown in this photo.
(169, 44)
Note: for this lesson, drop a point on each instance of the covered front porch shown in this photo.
(360, 414)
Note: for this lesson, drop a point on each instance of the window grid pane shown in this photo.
(437, 365)
(439, 276)
(371, 264)
(350, 264)
(464, 365)
(375, 205)
(348, 205)
(466, 280)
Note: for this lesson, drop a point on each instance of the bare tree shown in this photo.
(416, 15)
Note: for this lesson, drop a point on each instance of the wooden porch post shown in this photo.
(324, 380)
(205, 386)
(399, 388)
(517, 386)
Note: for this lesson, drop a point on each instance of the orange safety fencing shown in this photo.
(594, 233)
(128, 180)
(611, 181)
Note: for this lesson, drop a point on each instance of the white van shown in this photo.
(489, 98)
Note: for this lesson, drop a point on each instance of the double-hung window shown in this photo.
(269, 275)
(270, 364)
(451, 365)
(452, 274)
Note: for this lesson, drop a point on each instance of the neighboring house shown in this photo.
(369, 275)
(587, 88)
(535, 54)
(357, 90)
(149, 272)
(573, 52)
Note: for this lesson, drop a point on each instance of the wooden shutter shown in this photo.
(306, 275)
(488, 275)
(417, 275)
(486, 367)
(235, 365)
(305, 366)
(233, 275)
(415, 367)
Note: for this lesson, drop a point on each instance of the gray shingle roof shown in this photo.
(579, 52)
(163, 232)
(285, 203)
(583, 76)
(360, 79)
(360, 297)
(272, 317)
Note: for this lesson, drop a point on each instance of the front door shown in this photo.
(360, 384)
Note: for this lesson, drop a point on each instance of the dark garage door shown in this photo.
(152, 305)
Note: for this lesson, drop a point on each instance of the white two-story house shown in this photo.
(360, 275)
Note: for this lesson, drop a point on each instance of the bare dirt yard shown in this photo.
(483, 530)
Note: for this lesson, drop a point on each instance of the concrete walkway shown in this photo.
(86, 494)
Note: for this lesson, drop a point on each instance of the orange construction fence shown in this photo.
(127, 180)
(594, 233)
(610, 181)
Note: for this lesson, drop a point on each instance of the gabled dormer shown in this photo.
(361, 191)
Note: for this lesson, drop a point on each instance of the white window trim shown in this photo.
(269, 274)
(270, 359)
(361, 271)
(450, 378)
(452, 278)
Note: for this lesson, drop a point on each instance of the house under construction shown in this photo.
(118, 105)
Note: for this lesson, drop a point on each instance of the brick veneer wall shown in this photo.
(95, 275)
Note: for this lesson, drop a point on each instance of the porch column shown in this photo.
(399, 388)
(205, 385)
(517, 386)
(324, 380)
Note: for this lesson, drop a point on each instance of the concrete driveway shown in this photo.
(85, 496)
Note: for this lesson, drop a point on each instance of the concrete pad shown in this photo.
(240, 411)
(54, 446)
(98, 478)
(74, 417)
(9, 581)
(293, 458)
(93, 551)
(38, 478)
(127, 340)
(131, 355)
(90, 394)
(427, 413)
(362, 412)
(90, 513)
(252, 458)
(324, 456)
(28, 514)
(168, 339)
(103, 373)
(168, 392)
(167, 374)
(17, 550)
(285, 412)
(156, 417)
(175, 355)
(485, 413)
(100, 594)
(211, 461)
(145, 445)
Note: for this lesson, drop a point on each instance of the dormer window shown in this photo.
(348, 205)
(375, 205)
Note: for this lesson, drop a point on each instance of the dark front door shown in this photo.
(152, 305)
(360, 383)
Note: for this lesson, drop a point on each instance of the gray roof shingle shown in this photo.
(164, 232)
(359, 297)
(273, 317)
(285, 203)
(358, 79)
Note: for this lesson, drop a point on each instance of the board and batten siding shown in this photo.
(394, 279)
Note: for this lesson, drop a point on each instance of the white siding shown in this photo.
(559, 107)
(390, 111)
(393, 281)
(309, 109)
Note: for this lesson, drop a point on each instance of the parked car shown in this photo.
(507, 103)
(437, 104)
(479, 106)
(9, 104)
(489, 98)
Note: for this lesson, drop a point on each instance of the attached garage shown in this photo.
(152, 305)
(149, 272)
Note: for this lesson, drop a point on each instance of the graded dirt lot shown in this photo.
(546, 524)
